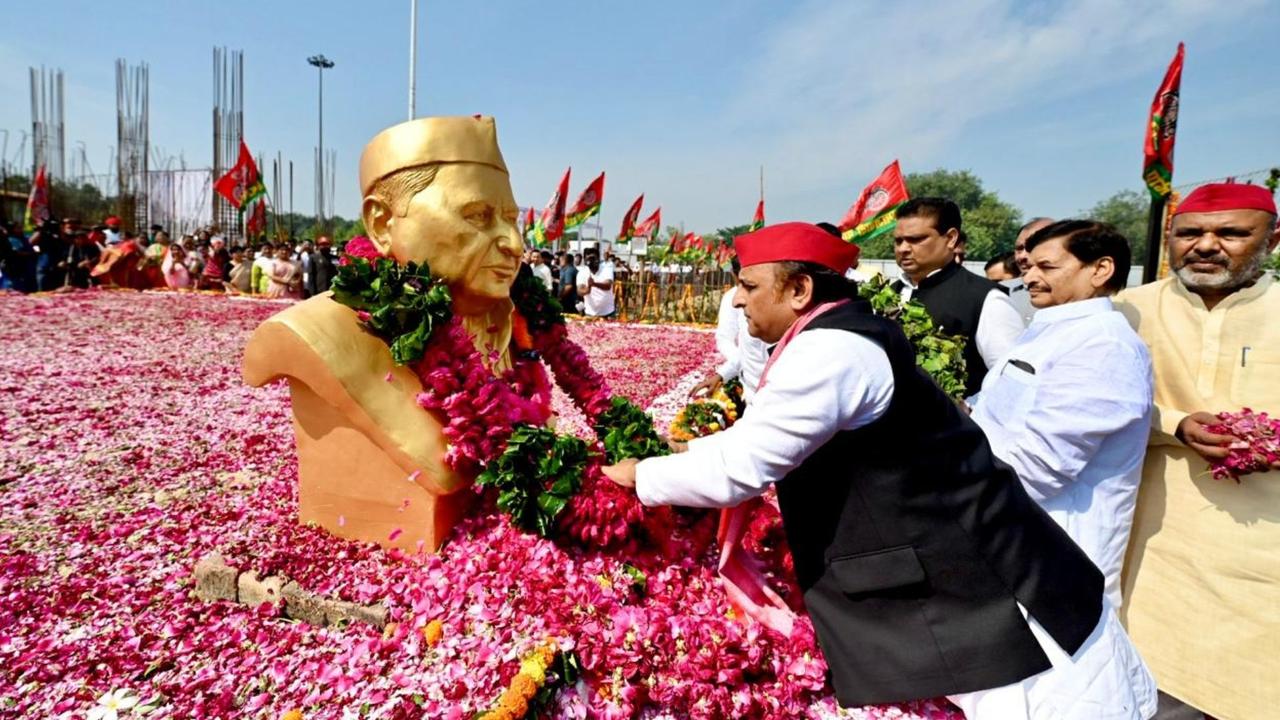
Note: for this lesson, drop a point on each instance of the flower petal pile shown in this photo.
(1257, 448)
(132, 448)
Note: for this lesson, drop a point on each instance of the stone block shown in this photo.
(255, 590)
(375, 615)
(215, 579)
(300, 604)
(338, 612)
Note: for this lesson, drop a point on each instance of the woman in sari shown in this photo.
(285, 277)
(216, 267)
(176, 275)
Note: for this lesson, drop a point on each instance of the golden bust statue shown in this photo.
(370, 460)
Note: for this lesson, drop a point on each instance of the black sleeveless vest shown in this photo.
(913, 547)
(954, 297)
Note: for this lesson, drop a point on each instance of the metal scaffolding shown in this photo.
(133, 143)
(47, 130)
(228, 129)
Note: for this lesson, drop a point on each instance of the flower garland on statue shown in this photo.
(495, 425)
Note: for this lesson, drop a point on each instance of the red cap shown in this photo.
(1217, 197)
(798, 242)
(112, 221)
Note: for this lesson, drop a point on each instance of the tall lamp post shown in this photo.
(413, 58)
(321, 63)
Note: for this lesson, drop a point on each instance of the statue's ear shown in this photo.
(378, 220)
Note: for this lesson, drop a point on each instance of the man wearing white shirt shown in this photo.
(744, 355)
(926, 568)
(1069, 407)
(925, 242)
(595, 285)
(538, 260)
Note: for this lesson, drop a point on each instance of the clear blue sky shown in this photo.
(684, 101)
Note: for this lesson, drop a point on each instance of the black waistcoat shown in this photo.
(913, 547)
(954, 297)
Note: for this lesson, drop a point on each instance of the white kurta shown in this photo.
(744, 355)
(1069, 408)
(830, 380)
(597, 302)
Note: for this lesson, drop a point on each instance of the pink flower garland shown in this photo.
(573, 371)
(481, 409)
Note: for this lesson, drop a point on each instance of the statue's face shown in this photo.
(464, 226)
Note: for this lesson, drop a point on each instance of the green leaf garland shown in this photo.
(939, 354)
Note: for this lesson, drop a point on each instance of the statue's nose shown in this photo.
(508, 237)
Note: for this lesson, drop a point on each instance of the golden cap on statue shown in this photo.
(472, 139)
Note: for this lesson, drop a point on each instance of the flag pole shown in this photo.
(762, 183)
(1155, 239)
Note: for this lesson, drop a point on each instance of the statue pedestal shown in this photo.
(360, 432)
(353, 489)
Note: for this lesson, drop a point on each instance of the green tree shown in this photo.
(1127, 211)
(990, 223)
(84, 202)
(727, 234)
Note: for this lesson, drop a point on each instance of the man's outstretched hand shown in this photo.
(624, 473)
(1192, 431)
(708, 386)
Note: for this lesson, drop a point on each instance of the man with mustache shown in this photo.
(1069, 406)
(926, 568)
(1202, 577)
(926, 243)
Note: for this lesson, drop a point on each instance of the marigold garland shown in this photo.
(700, 418)
(542, 672)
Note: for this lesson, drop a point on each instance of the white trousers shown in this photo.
(1104, 680)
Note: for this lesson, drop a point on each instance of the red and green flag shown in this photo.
(527, 230)
(588, 204)
(256, 225)
(37, 203)
(650, 227)
(243, 183)
(757, 221)
(724, 253)
(628, 230)
(550, 225)
(1162, 126)
(876, 210)
(676, 244)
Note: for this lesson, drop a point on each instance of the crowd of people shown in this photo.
(583, 282)
(67, 254)
(1054, 545)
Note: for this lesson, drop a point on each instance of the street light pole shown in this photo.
(321, 64)
(413, 57)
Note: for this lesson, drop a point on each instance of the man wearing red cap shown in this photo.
(926, 568)
(1202, 577)
(112, 230)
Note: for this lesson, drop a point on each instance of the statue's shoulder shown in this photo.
(319, 343)
(316, 340)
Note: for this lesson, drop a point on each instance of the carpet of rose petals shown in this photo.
(131, 448)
